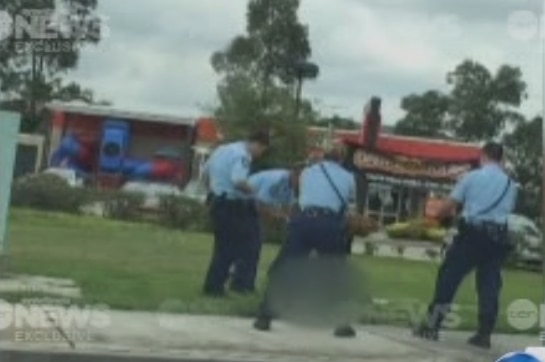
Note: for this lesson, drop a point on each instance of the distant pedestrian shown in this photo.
(487, 196)
(326, 189)
(231, 208)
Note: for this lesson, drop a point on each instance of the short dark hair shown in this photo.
(493, 151)
(261, 137)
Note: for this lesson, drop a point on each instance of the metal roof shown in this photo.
(105, 111)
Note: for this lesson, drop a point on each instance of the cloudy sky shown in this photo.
(156, 53)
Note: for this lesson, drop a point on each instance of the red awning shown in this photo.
(433, 150)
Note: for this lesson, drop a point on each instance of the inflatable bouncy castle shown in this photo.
(74, 153)
(110, 155)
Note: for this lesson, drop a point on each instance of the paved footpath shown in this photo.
(148, 337)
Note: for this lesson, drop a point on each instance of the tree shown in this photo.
(478, 107)
(275, 40)
(426, 115)
(258, 78)
(525, 152)
(482, 104)
(40, 48)
(336, 121)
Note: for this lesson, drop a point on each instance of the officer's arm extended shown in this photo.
(456, 198)
(239, 175)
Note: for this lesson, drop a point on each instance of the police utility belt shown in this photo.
(224, 199)
(318, 211)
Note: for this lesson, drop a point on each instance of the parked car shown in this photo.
(70, 176)
(527, 238)
(152, 191)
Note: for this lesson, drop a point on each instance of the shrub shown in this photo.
(183, 213)
(48, 192)
(120, 205)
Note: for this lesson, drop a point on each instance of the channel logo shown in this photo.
(530, 354)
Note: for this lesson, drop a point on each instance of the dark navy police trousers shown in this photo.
(472, 249)
(237, 245)
(308, 231)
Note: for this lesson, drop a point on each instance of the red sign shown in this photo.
(400, 166)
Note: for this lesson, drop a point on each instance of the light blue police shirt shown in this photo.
(479, 189)
(228, 165)
(316, 191)
(273, 187)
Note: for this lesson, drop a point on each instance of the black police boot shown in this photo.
(425, 331)
(262, 324)
(345, 331)
(480, 340)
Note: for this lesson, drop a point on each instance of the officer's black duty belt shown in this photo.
(224, 198)
(483, 226)
(315, 211)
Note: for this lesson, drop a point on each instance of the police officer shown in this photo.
(273, 193)
(325, 190)
(487, 196)
(226, 173)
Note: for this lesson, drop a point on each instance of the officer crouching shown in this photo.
(487, 196)
(317, 225)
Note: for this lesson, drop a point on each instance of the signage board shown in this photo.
(409, 168)
(9, 130)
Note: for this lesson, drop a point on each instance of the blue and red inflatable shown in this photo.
(81, 156)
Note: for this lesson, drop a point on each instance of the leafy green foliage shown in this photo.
(183, 214)
(336, 121)
(275, 39)
(48, 192)
(478, 107)
(31, 69)
(258, 74)
(426, 115)
(119, 205)
(525, 152)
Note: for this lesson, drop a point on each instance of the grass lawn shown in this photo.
(145, 267)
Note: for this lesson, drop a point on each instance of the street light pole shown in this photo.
(303, 70)
(298, 94)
